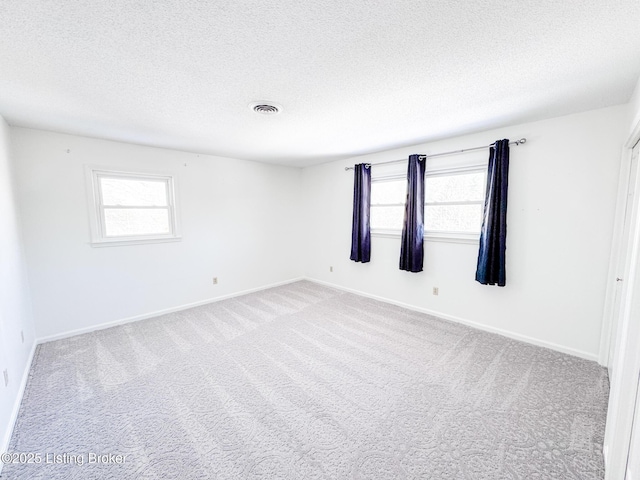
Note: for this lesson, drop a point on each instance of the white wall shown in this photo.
(15, 309)
(561, 206)
(562, 200)
(239, 223)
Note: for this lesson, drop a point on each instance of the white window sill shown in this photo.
(133, 241)
(470, 238)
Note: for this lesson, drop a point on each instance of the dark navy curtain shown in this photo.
(412, 248)
(360, 230)
(493, 236)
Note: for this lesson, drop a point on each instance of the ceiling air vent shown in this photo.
(265, 108)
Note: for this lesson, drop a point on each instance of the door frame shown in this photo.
(626, 357)
(608, 322)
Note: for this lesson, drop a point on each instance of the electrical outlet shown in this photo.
(435, 290)
(22, 335)
(215, 280)
(6, 377)
(331, 269)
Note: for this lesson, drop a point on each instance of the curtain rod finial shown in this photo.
(521, 141)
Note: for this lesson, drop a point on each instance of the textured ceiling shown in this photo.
(353, 76)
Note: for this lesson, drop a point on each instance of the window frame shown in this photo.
(97, 223)
(437, 170)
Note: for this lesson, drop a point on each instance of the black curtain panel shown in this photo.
(493, 236)
(361, 231)
(412, 248)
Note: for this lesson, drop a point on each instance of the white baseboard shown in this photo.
(16, 406)
(157, 313)
(470, 323)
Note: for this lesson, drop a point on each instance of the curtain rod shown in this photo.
(453, 152)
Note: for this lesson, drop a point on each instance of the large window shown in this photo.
(131, 207)
(454, 200)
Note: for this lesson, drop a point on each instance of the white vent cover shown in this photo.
(265, 108)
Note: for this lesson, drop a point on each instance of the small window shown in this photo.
(129, 208)
(453, 204)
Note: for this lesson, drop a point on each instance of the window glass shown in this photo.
(389, 192)
(453, 218)
(133, 192)
(454, 203)
(387, 218)
(132, 221)
(454, 188)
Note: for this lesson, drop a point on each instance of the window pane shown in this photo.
(455, 188)
(392, 191)
(133, 221)
(453, 218)
(387, 217)
(132, 192)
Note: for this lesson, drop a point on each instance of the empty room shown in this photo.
(334, 240)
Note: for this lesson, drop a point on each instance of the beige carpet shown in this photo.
(307, 382)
